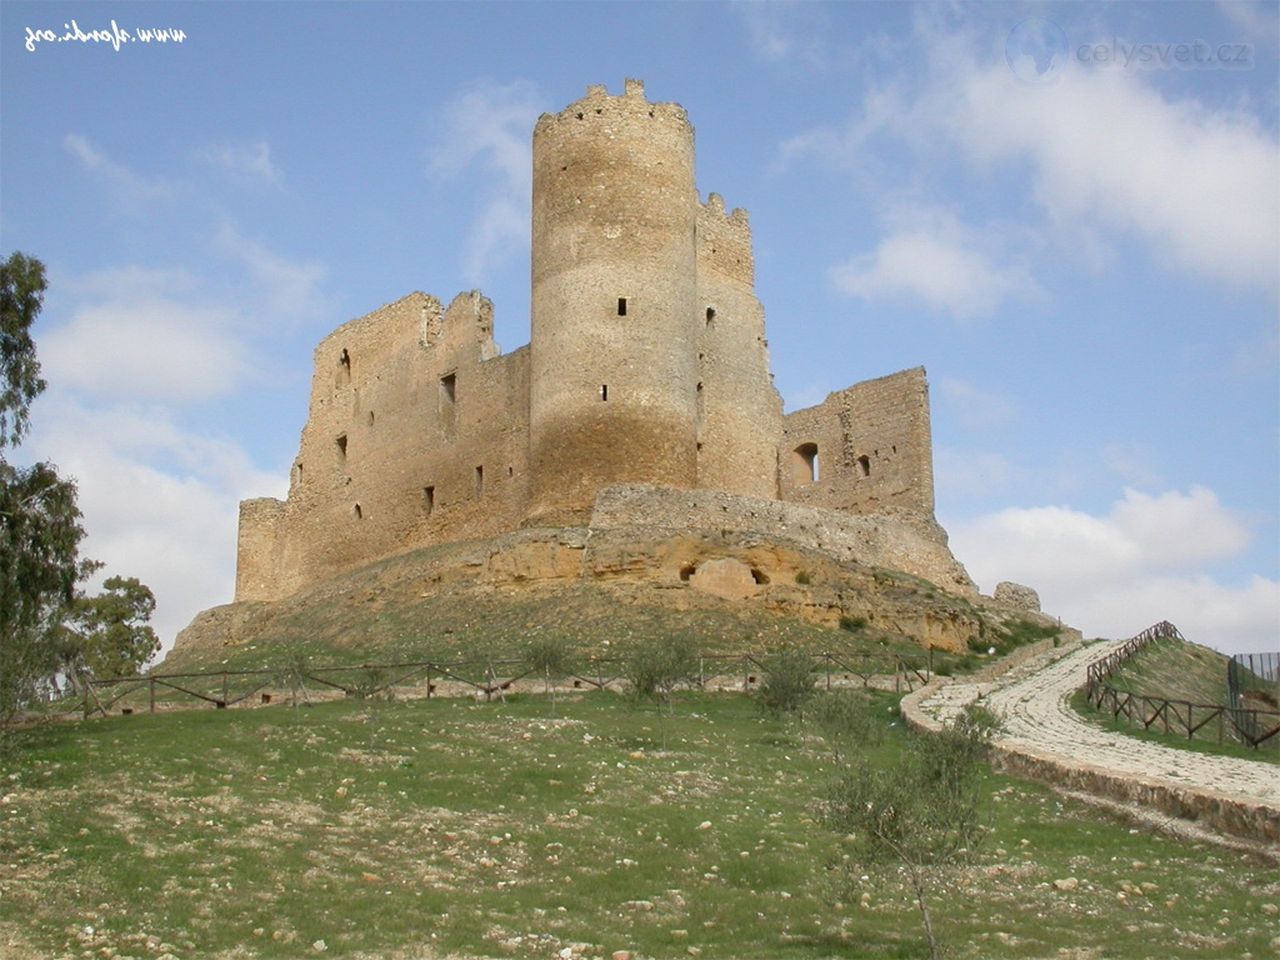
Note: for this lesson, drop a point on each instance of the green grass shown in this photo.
(1204, 742)
(1176, 670)
(424, 828)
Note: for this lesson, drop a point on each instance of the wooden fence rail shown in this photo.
(488, 677)
(1249, 726)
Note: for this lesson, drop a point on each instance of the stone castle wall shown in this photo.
(647, 364)
(864, 449)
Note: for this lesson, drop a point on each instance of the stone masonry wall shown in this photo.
(416, 434)
(864, 449)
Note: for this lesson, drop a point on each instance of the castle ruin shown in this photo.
(647, 370)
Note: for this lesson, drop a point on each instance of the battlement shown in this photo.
(600, 105)
(724, 241)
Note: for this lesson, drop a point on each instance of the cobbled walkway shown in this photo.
(1032, 697)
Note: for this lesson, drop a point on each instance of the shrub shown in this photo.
(788, 682)
(843, 718)
(803, 578)
(853, 624)
(655, 668)
(922, 815)
(552, 657)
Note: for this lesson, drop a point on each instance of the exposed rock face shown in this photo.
(682, 550)
(1016, 595)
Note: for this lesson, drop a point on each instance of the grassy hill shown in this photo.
(425, 829)
(1177, 670)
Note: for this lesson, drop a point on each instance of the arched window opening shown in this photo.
(806, 466)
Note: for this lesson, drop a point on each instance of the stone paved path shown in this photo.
(1039, 721)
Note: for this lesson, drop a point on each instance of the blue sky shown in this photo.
(1083, 251)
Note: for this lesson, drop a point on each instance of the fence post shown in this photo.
(225, 689)
(702, 675)
(84, 685)
(151, 695)
(428, 681)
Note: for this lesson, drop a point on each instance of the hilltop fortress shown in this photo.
(643, 402)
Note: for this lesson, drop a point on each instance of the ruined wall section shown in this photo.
(416, 434)
(739, 411)
(864, 449)
(258, 549)
(614, 350)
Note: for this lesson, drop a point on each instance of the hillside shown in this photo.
(490, 597)
(1177, 670)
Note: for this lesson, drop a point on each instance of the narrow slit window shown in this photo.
(711, 315)
(604, 391)
(342, 446)
(428, 500)
(622, 306)
(864, 466)
(344, 368)
(359, 514)
(479, 482)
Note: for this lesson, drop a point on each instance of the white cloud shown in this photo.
(286, 289)
(488, 124)
(934, 258)
(976, 408)
(1202, 187)
(159, 501)
(129, 187)
(1113, 575)
(244, 161)
(143, 333)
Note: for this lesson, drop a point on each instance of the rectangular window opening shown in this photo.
(622, 306)
(604, 391)
(428, 500)
(342, 446)
(479, 481)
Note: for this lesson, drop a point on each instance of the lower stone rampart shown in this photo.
(896, 540)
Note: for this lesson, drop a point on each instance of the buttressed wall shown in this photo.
(647, 364)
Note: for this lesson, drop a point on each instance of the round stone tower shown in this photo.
(613, 385)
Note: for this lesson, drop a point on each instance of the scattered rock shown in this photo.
(642, 906)
(705, 825)
(1066, 885)
(319, 946)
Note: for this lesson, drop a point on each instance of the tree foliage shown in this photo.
(922, 814)
(44, 627)
(22, 286)
(115, 638)
(843, 718)
(788, 681)
(654, 669)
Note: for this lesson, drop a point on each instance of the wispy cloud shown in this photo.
(488, 125)
(780, 30)
(975, 407)
(286, 289)
(129, 187)
(243, 161)
(934, 258)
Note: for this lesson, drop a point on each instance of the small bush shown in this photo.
(845, 719)
(788, 682)
(654, 669)
(803, 578)
(853, 624)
